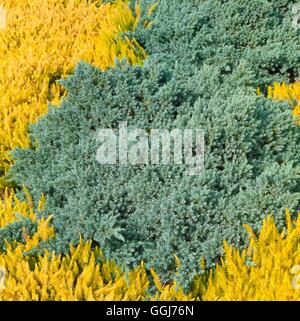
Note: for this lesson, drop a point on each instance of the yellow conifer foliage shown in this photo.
(266, 270)
(74, 277)
(290, 92)
(42, 42)
(77, 276)
(10, 205)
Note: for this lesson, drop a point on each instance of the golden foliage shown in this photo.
(82, 275)
(76, 276)
(42, 42)
(290, 93)
(12, 205)
(266, 270)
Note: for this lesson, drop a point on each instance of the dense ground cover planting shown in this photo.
(168, 231)
(266, 270)
(208, 80)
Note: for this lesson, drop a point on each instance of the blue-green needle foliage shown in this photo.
(205, 60)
